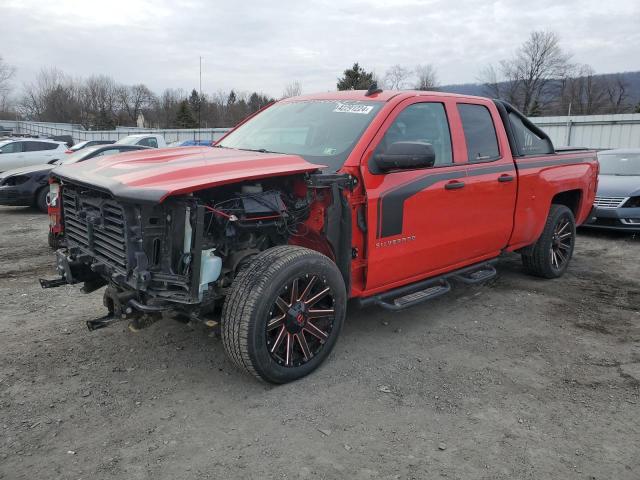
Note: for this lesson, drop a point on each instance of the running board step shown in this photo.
(420, 296)
(483, 274)
(416, 293)
(396, 302)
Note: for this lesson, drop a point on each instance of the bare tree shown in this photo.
(134, 100)
(427, 77)
(617, 94)
(99, 102)
(396, 77)
(52, 97)
(293, 89)
(528, 77)
(167, 107)
(587, 91)
(6, 74)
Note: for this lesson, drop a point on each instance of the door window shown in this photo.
(14, 147)
(421, 122)
(479, 133)
(149, 142)
(39, 146)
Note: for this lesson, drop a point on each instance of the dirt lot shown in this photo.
(521, 378)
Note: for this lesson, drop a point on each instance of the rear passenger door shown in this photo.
(40, 152)
(491, 178)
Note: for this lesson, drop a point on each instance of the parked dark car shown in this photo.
(29, 185)
(617, 204)
(89, 143)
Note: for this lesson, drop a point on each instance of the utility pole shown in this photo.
(200, 99)
(568, 127)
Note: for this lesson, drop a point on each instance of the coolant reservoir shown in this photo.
(210, 267)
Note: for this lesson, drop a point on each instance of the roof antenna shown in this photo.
(373, 89)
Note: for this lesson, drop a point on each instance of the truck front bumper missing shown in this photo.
(121, 304)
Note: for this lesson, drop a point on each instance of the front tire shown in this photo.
(41, 199)
(551, 254)
(284, 313)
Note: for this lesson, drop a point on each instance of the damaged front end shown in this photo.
(181, 256)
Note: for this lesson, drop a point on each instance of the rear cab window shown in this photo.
(479, 133)
(528, 141)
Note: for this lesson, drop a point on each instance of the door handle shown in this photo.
(454, 185)
(505, 178)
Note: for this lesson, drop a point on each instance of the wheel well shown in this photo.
(570, 198)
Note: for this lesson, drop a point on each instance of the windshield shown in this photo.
(78, 146)
(320, 131)
(619, 163)
(77, 156)
(133, 140)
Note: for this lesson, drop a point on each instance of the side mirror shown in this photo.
(406, 156)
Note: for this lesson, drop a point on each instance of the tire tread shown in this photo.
(537, 261)
(242, 300)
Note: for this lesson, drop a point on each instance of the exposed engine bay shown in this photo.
(184, 253)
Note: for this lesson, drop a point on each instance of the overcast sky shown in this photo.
(263, 45)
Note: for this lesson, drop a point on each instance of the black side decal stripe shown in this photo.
(390, 206)
(552, 163)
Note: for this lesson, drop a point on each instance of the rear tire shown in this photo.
(552, 253)
(284, 313)
(41, 199)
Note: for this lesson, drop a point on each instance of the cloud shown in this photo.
(263, 46)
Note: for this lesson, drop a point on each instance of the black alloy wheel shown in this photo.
(283, 313)
(300, 321)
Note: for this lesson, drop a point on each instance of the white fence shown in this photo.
(79, 134)
(593, 131)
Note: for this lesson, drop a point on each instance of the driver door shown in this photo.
(417, 218)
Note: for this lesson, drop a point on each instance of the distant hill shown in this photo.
(632, 80)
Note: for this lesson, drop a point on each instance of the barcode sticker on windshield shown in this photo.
(353, 108)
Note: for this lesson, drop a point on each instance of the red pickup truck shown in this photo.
(381, 196)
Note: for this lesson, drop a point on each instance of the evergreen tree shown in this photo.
(195, 104)
(184, 117)
(257, 101)
(355, 78)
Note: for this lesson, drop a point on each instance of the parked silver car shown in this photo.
(617, 204)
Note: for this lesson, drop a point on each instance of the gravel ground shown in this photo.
(519, 378)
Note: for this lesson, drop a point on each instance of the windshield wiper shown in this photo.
(259, 150)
